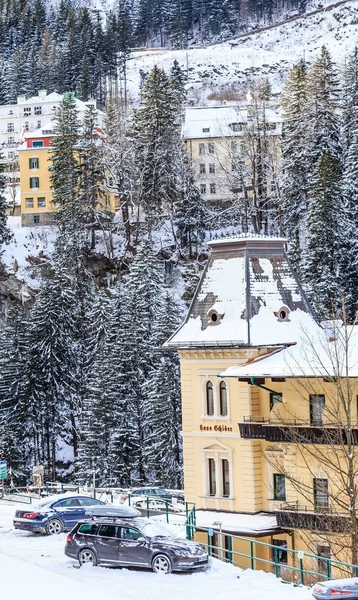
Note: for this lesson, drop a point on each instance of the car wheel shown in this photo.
(54, 527)
(161, 564)
(87, 556)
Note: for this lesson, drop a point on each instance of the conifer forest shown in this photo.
(85, 381)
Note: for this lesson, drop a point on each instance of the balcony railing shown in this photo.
(296, 431)
(319, 518)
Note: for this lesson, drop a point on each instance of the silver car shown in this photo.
(336, 588)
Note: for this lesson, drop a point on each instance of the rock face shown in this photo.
(13, 291)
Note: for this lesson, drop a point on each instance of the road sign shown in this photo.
(210, 532)
(3, 469)
(301, 555)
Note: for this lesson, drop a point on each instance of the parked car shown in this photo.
(54, 514)
(156, 504)
(133, 542)
(155, 492)
(336, 588)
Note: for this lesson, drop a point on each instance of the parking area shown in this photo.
(33, 565)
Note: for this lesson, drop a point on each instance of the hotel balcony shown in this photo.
(319, 518)
(295, 431)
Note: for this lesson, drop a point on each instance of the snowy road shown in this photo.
(33, 565)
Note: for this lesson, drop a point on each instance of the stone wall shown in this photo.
(46, 218)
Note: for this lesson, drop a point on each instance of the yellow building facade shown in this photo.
(36, 194)
(262, 429)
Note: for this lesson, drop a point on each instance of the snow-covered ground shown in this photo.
(34, 566)
(270, 53)
(29, 248)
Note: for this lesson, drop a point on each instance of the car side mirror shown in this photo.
(141, 539)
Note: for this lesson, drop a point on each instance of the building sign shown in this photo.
(3, 469)
(219, 428)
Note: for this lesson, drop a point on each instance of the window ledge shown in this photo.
(214, 418)
(218, 497)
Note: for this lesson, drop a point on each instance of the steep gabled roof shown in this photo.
(250, 285)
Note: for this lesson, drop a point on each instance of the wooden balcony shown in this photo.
(295, 431)
(294, 516)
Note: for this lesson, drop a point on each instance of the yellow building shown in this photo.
(235, 151)
(260, 417)
(35, 180)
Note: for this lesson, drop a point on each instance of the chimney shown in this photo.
(42, 93)
(21, 99)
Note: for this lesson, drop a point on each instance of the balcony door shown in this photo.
(317, 403)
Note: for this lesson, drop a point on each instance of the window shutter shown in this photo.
(30, 166)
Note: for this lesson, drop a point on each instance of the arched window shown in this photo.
(209, 399)
(223, 399)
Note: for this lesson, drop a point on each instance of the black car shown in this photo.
(133, 542)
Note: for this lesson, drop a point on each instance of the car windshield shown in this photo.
(157, 530)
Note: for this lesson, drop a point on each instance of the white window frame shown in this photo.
(217, 451)
(216, 387)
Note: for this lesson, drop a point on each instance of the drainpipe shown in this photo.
(252, 379)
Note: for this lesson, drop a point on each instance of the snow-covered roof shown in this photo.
(224, 121)
(239, 523)
(45, 130)
(318, 353)
(53, 97)
(251, 287)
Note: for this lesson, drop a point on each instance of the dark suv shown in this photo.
(133, 542)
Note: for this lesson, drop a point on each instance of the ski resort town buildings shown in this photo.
(234, 151)
(264, 408)
(25, 117)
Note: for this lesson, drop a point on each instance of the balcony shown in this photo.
(295, 431)
(320, 518)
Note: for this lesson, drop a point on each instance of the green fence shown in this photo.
(290, 565)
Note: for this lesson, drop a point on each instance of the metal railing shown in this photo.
(288, 564)
(283, 422)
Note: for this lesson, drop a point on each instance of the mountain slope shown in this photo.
(267, 53)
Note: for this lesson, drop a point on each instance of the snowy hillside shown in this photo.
(268, 53)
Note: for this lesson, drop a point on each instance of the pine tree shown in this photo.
(96, 421)
(144, 290)
(65, 170)
(162, 414)
(5, 233)
(93, 198)
(190, 215)
(179, 80)
(53, 357)
(295, 162)
(350, 101)
(157, 141)
(18, 418)
(119, 152)
(321, 260)
(323, 100)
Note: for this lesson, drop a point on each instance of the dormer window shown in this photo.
(237, 126)
(206, 129)
(214, 317)
(282, 314)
